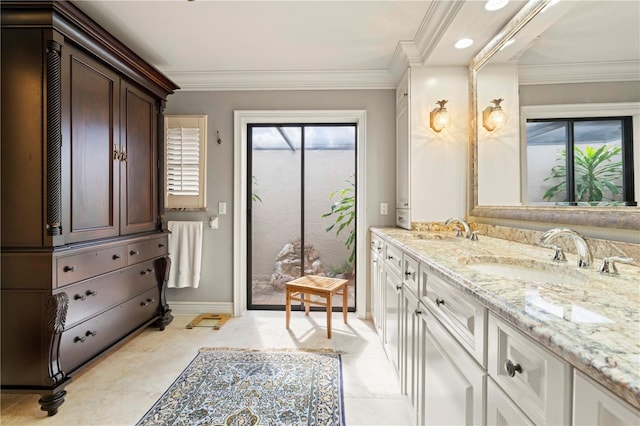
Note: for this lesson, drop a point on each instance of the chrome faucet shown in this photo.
(584, 252)
(467, 231)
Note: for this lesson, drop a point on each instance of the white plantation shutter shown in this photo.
(185, 161)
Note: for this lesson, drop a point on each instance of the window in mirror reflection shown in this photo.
(598, 173)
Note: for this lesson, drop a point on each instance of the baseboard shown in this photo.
(197, 308)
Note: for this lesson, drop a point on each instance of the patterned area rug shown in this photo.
(245, 388)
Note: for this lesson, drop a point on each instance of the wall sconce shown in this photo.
(439, 117)
(493, 117)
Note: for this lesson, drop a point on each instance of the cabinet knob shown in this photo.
(160, 245)
(439, 301)
(116, 257)
(91, 293)
(398, 287)
(418, 312)
(79, 339)
(134, 252)
(389, 257)
(90, 333)
(68, 268)
(511, 369)
(146, 302)
(145, 272)
(408, 274)
(79, 297)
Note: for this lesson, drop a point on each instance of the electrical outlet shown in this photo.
(222, 207)
(384, 208)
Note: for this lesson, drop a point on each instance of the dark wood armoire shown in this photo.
(84, 259)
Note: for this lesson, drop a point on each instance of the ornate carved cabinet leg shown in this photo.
(50, 403)
(163, 279)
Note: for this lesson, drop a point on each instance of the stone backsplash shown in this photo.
(599, 248)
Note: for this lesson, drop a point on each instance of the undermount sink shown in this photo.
(523, 269)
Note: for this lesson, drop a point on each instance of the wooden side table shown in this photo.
(320, 286)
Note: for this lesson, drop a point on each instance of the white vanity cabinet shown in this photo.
(453, 380)
(403, 165)
(464, 317)
(536, 380)
(412, 383)
(377, 280)
(595, 405)
(392, 304)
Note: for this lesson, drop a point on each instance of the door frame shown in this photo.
(243, 117)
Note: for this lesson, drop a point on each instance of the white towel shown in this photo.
(185, 251)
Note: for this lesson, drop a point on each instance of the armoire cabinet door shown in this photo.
(90, 123)
(139, 169)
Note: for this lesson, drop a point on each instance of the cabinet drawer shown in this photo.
(95, 295)
(501, 410)
(78, 267)
(535, 378)
(595, 405)
(403, 219)
(410, 273)
(377, 245)
(86, 340)
(393, 259)
(146, 250)
(464, 317)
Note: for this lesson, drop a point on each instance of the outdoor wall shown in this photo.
(276, 219)
(216, 284)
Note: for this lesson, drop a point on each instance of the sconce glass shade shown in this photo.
(439, 117)
(493, 117)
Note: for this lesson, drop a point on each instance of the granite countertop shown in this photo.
(588, 319)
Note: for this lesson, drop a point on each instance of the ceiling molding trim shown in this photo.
(283, 80)
(435, 24)
(586, 72)
(405, 55)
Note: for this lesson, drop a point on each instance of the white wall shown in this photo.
(216, 285)
(439, 160)
(499, 150)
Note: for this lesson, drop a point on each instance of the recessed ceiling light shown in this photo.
(495, 4)
(508, 43)
(463, 43)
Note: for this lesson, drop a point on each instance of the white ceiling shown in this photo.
(362, 44)
(224, 45)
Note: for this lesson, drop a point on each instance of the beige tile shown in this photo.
(124, 385)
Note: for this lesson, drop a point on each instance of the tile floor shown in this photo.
(124, 385)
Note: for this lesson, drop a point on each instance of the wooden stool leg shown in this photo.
(288, 307)
(307, 304)
(345, 303)
(328, 299)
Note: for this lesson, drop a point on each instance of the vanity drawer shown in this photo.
(377, 245)
(410, 273)
(86, 340)
(464, 317)
(393, 259)
(81, 266)
(95, 295)
(537, 380)
(146, 250)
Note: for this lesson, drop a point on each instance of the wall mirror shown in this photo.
(566, 76)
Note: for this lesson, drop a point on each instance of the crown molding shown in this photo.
(283, 80)
(586, 72)
(435, 23)
(405, 55)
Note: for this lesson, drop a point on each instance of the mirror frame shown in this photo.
(602, 217)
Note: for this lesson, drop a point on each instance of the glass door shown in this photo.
(301, 208)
